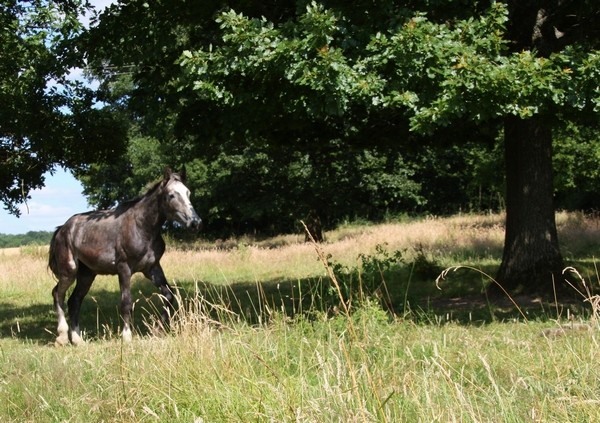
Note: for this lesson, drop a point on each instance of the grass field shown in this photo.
(261, 334)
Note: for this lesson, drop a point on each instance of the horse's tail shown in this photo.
(52, 261)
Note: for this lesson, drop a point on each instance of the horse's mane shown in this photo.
(150, 191)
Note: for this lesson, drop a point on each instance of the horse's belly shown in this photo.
(143, 264)
(106, 251)
(108, 263)
(102, 264)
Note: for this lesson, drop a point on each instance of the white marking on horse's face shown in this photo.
(181, 208)
(179, 188)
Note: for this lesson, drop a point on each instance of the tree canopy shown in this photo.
(47, 118)
(354, 109)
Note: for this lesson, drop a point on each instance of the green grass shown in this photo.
(261, 335)
(366, 368)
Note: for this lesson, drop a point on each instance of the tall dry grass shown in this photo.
(446, 239)
(364, 367)
(449, 240)
(248, 260)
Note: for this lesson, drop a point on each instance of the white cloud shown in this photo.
(41, 211)
(48, 207)
(62, 196)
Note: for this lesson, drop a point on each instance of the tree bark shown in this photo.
(531, 261)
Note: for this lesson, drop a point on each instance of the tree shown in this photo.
(520, 66)
(266, 177)
(528, 66)
(47, 119)
(538, 74)
(320, 79)
(532, 256)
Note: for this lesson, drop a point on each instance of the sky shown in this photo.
(48, 207)
(58, 200)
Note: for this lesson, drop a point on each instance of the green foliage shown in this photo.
(381, 261)
(436, 73)
(314, 72)
(47, 119)
(127, 175)
(446, 72)
(577, 175)
(31, 238)
(358, 110)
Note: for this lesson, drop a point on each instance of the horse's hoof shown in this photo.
(76, 339)
(127, 335)
(61, 340)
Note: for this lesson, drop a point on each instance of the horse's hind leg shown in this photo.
(85, 277)
(58, 294)
(157, 276)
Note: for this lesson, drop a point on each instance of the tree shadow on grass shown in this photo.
(466, 299)
(257, 302)
(419, 300)
(100, 319)
(28, 322)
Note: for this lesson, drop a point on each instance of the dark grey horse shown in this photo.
(121, 241)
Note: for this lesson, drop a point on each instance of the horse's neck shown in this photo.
(148, 213)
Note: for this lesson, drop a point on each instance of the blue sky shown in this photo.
(48, 207)
(52, 205)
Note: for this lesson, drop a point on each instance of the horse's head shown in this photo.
(177, 204)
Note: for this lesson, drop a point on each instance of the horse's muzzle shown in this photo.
(195, 223)
(189, 221)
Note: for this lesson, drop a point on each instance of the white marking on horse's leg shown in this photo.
(72, 265)
(62, 329)
(126, 334)
(76, 338)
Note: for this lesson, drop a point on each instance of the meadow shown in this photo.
(354, 329)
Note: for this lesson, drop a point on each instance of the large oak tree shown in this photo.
(297, 75)
(521, 65)
(567, 33)
(47, 118)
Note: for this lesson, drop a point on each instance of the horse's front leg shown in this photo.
(126, 303)
(157, 276)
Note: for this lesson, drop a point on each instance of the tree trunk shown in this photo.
(531, 261)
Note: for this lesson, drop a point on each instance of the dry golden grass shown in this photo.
(22, 273)
(475, 240)
(10, 251)
(445, 239)
(248, 261)
(368, 366)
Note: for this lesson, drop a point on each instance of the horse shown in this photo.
(121, 241)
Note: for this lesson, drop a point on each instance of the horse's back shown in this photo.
(90, 238)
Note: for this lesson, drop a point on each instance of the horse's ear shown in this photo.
(168, 173)
(183, 174)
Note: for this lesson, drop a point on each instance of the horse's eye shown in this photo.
(171, 196)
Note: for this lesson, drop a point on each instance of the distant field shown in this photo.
(10, 251)
(260, 334)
